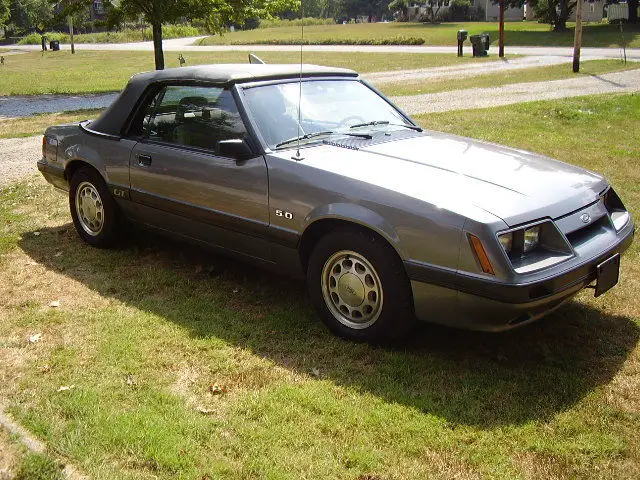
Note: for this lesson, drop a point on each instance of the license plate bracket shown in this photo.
(608, 273)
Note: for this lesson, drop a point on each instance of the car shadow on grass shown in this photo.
(467, 378)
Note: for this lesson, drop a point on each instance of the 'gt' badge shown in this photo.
(585, 218)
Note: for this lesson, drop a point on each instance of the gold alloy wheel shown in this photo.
(89, 208)
(352, 289)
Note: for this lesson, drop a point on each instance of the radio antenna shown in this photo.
(297, 156)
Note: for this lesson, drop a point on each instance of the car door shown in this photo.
(182, 185)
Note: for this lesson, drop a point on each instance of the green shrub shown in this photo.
(296, 22)
(399, 40)
(36, 38)
(123, 36)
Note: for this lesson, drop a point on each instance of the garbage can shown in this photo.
(479, 46)
(487, 41)
(54, 45)
(462, 36)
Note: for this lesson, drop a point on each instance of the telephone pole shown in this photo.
(577, 41)
(501, 31)
(73, 46)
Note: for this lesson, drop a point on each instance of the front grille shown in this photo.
(582, 235)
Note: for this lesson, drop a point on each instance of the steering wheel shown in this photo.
(351, 120)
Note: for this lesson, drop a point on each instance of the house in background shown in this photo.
(97, 11)
(418, 10)
(592, 11)
(492, 11)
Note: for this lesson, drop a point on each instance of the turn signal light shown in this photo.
(481, 255)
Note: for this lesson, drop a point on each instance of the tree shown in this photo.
(4, 11)
(400, 9)
(29, 15)
(216, 13)
(555, 12)
(633, 11)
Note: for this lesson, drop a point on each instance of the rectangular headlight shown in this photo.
(531, 238)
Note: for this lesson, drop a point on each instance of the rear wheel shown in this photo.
(94, 212)
(358, 285)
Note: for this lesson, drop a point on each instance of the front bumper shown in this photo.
(490, 305)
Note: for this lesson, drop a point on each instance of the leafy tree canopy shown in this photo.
(4, 11)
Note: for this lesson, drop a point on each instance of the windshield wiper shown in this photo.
(386, 122)
(307, 136)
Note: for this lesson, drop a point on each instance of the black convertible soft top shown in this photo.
(112, 119)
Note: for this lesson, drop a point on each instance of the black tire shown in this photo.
(111, 223)
(395, 315)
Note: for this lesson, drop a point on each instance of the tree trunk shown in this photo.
(561, 20)
(633, 11)
(157, 44)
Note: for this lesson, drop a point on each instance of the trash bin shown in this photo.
(487, 41)
(462, 36)
(478, 43)
(54, 45)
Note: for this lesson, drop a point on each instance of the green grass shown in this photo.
(36, 124)
(143, 331)
(37, 466)
(554, 72)
(94, 72)
(517, 33)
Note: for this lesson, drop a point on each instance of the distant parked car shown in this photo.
(319, 176)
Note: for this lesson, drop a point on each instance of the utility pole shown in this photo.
(577, 41)
(73, 46)
(501, 31)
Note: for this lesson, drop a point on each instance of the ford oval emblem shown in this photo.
(585, 217)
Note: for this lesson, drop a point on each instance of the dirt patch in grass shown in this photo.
(10, 455)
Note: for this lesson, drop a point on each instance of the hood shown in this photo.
(450, 171)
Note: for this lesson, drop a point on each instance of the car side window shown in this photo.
(193, 116)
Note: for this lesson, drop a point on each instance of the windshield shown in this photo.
(328, 106)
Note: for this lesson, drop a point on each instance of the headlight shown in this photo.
(506, 239)
(534, 247)
(531, 238)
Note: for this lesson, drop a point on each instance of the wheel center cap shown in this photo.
(351, 289)
(90, 209)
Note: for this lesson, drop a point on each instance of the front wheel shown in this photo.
(94, 212)
(358, 285)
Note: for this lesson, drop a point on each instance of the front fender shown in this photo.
(359, 215)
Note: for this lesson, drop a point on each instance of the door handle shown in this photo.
(143, 160)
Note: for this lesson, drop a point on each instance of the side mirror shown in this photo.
(235, 148)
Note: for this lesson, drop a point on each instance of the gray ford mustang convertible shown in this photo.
(314, 173)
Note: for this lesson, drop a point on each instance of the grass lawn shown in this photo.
(554, 72)
(93, 72)
(517, 33)
(143, 335)
(36, 124)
